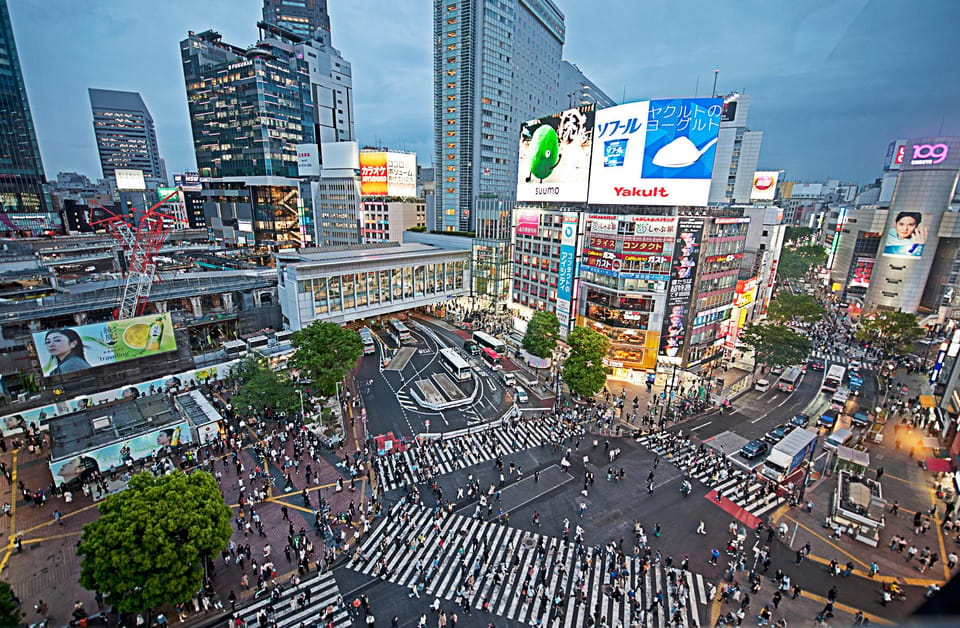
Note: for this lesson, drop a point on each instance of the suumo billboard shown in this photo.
(764, 185)
(555, 157)
(388, 174)
(71, 349)
(683, 271)
(655, 152)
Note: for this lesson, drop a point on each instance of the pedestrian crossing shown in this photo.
(839, 354)
(755, 495)
(526, 577)
(290, 608)
(435, 458)
(404, 399)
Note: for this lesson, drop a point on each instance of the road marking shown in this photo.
(777, 407)
(694, 429)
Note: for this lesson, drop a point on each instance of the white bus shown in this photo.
(452, 361)
(834, 378)
(399, 330)
(367, 337)
(490, 342)
(790, 379)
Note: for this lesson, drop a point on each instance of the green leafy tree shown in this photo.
(797, 234)
(10, 613)
(260, 388)
(791, 265)
(583, 370)
(815, 254)
(787, 307)
(324, 353)
(776, 345)
(893, 331)
(543, 330)
(150, 542)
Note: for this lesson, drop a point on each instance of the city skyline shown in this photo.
(831, 84)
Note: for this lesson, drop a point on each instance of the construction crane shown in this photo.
(140, 242)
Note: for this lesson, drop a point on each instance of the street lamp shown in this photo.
(303, 416)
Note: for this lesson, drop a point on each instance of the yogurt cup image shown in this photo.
(614, 152)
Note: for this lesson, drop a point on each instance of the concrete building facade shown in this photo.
(737, 153)
(126, 135)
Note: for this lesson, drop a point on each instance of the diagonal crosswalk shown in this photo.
(434, 458)
(527, 577)
(289, 607)
(750, 491)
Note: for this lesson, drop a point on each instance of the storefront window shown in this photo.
(334, 292)
(418, 272)
(407, 282)
(373, 292)
(349, 286)
(320, 295)
(396, 283)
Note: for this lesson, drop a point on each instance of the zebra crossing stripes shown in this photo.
(459, 556)
(404, 399)
(286, 612)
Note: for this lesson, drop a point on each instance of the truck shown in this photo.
(788, 455)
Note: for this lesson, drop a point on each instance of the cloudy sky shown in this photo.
(831, 81)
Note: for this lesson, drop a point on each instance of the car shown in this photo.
(801, 419)
(777, 370)
(776, 435)
(817, 365)
(762, 385)
(521, 395)
(508, 379)
(753, 449)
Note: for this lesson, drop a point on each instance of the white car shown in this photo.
(762, 385)
(521, 395)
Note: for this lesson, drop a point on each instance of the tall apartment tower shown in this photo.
(496, 64)
(26, 207)
(307, 18)
(577, 90)
(126, 135)
(738, 151)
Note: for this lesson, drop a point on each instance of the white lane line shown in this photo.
(699, 426)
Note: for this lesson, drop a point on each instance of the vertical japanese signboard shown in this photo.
(568, 255)
(683, 272)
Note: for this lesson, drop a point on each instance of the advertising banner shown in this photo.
(656, 152)
(932, 153)
(129, 179)
(764, 185)
(528, 222)
(388, 174)
(746, 292)
(907, 234)
(566, 268)
(308, 160)
(862, 271)
(606, 224)
(639, 247)
(120, 453)
(188, 181)
(373, 174)
(71, 349)
(596, 242)
(555, 157)
(895, 153)
(683, 271)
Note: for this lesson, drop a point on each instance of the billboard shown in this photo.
(188, 182)
(555, 156)
(907, 234)
(764, 185)
(308, 160)
(528, 222)
(862, 271)
(683, 271)
(130, 179)
(655, 152)
(932, 153)
(894, 157)
(566, 268)
(388, 174)
(71, 349)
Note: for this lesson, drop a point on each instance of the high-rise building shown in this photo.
(25, 207)
(738, 151)
(577, 90)
(496, 63)
(126, 135)
(307, 18)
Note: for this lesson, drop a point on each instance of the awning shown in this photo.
(939, 465)
(927, 401)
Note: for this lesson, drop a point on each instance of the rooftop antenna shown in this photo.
(940, 132)
(696, 90)
(716, 73)
(624, 98)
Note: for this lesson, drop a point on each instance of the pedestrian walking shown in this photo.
(701, 529)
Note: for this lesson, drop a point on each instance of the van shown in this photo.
(521, 395)
(838, 438)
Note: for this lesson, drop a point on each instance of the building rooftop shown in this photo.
(391, 252)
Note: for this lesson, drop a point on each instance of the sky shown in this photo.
(832, 82)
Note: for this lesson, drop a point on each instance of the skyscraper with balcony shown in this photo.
(496, 64)
(126, 135)
(307, 18)
(25, 207)
(577, 90)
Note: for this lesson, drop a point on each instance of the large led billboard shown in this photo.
(683, 271)
(71, 349)
(931, 153)
(907, 234)
(764, 185)
(129, 179)
(555, 156)
(655, 152)
(388, 174)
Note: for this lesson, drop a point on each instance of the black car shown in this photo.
(753, 449)
(817, 365)
(776, 435)
(800, 420)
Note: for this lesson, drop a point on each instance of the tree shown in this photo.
(892, 331)
(543, 330)
(815, 254)
(324, 353)
(797, 234)
(10, 613)
(149, 545)
(776, 345)
(583, 370)
(262, 388)
(791, 265)
(787, 307)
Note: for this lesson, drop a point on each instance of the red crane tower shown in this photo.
(141, 242)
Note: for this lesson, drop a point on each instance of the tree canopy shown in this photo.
(796, 234)
(543, 330)
(892, 331)
(791, 265)
(324, 353)
(815, 254)
(776, 345)
(583, 370)
(10, 613)
(262, 388)
(786, 307)
(150, 542)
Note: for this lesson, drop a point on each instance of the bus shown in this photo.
(399, 330)
(486, 340)
(790, 379)
(453, 362)
(492, 358)
(833, 379)
(367, 337)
